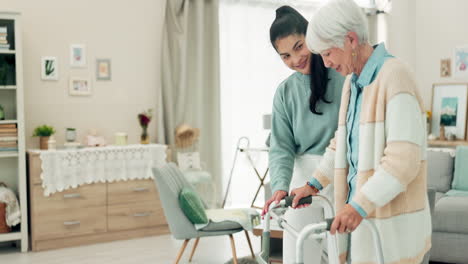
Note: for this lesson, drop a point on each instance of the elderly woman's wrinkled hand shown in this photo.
(346, 221)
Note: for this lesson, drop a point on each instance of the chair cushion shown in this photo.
(450, 215)
(192, 206)
(439, 170)
(460, 181)
(221, 226)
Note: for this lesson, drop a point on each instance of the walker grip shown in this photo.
(289, 199)
(329, 222)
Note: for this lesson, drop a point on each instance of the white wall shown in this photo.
(422, 32)
(440, 27)
(127, 32)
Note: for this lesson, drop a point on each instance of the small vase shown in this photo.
(144, 138)
(43, 143)
(442, 133)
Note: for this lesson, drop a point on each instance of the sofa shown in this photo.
(450, 213)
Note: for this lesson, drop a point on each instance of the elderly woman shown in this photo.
(377, 160)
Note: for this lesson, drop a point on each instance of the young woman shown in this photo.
(304, 119)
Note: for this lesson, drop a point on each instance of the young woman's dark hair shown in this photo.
(288, 22)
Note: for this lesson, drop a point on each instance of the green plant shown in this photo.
(49, 67)
(43, 131)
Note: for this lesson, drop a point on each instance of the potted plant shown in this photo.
(43, 132)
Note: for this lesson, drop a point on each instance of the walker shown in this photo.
(317, 231)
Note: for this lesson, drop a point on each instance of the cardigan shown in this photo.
(391, 177)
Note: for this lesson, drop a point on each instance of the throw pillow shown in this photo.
(192, 206)
(460, 181)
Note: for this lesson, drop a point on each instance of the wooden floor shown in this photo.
(154, 250)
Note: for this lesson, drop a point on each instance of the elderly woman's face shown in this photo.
(338, 59)
(294, 53)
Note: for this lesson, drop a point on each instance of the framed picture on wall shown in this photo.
(103, 69)
(79, 86)
(449, 108)
(49, 68)
(461, 62)
(77, 55)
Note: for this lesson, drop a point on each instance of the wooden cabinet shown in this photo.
(91, 213)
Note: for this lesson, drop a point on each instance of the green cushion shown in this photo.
(192, 206)
(460, 179)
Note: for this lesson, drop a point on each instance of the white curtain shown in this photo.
(251, 70)
(190, 77)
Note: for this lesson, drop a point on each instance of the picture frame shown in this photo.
(449, 108)
(78, 55)
(79, 86)
(49, 68)
(460, 62)
(445, 68)
(103, 69)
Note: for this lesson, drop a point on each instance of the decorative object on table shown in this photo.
(461, 62)
(428, 121)
(442, 132)
(103, 69)
(10, 214)
(451, 136)
(445, 68)
(43, 132)
(431, 137)
(121, 138)
(79, 86)
(186, 136)
(94, 140)
(78, 55)
(49, 68)
(449, 108)
(2, 113)
(51, 143)
(70, 134)
(144, 118)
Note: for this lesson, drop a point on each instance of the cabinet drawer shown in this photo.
(125, 192)
(90, 195)
(136, 215)
(69, 222)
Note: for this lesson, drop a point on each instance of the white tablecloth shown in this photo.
(64, 169)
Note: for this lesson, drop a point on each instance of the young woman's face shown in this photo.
(294, 53)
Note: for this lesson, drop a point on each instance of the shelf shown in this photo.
(447, 143)
(8, 154)
(8, 121)
(7, 87)
(7, 51)
(10, 236)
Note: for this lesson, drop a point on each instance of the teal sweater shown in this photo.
(295, 129)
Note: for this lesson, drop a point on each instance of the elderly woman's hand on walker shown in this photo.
(346, 221)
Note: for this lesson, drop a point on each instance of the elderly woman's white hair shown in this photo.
(332, 22)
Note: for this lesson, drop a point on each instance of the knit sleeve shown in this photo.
(282, 145)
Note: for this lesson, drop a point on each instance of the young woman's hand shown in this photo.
(277, 197)
(302, 192)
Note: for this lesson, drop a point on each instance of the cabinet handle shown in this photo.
(141, 189)
(71, 195)
(142, 214)
(71, 223)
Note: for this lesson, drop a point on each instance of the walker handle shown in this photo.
(305, 200)
(329, 223)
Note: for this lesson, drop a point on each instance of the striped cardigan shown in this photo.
(391, 178)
